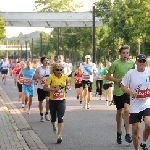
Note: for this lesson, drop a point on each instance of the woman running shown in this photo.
(78, 83)
(57, 83)
(20, 82)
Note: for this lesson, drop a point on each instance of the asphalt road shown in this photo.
(93, 129)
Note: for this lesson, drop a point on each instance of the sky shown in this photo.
(28, 6)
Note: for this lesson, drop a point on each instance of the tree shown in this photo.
(57, 5)
(2, 28)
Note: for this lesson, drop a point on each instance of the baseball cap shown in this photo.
(141, 57)
(87, 56)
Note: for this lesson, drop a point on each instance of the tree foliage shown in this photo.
(2, 28)
(57, 5)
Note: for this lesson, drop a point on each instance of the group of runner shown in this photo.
(130, 88)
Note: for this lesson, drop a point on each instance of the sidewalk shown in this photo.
(16, 134)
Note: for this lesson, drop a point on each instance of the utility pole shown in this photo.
(41, 46)
(93, 36)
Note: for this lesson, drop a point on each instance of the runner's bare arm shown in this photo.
(46, 88)
(128, 91)
(36, 75)
(111, 78)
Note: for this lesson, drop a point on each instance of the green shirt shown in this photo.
(119, 69)
(105, 71)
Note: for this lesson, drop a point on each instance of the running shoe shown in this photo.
(59, 140)
(77, 97)
(28, 111)
(119, 138)
(143, 147)
(128, 138)
(22, 105)
(106, 102)
(55, 128)
(80, 102)
(88, 106)
(47, 117)
(42, 119)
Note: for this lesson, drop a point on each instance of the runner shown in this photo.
(99, 80)
(137, 84)
(19, 83)
(122, 101)
(58, 83)
(108, 86)
(41, 74)
(68, 69)
(15, 71)
(4, 71)
(88, 70)
(78, 83)
(28, 85)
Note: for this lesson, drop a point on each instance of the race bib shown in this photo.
(143, 93)
(58, 95)
(86, 77)
(43, 82)
(100, 78)
(27, 81)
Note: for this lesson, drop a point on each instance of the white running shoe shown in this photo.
(88, 106)
(22, 105)
(42, 119)
(28, 111)
(47, 117)
(107, 103)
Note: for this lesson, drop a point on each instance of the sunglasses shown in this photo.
(142, 61)
(58, 69)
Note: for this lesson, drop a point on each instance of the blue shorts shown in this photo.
(28, 89)
(4, 71)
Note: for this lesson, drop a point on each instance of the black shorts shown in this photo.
(42, 94)
(19, 87)
(121, 100)
(106, 86)
(4, 71)
(87, 84)
(137, 117)
(70, 75)
(78, 86)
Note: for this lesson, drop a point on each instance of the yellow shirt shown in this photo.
(34, 65)
(53, 81)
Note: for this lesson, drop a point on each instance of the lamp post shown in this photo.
(93, 36)
(41, 45)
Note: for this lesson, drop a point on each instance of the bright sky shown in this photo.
(28, 6)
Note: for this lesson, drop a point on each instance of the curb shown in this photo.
(21, 126)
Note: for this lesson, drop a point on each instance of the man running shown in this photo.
(122, 101)
(137, 84)
(28, 84)
(4, 71)
(88, 69)
(41, 74)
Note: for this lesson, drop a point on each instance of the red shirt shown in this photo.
(79, 75)
(16, 69)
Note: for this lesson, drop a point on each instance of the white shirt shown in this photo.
(5, 64)
(45, 73)
(87, 71)
(67, 68)
(138, 82)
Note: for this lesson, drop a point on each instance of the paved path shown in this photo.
(93, 129)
